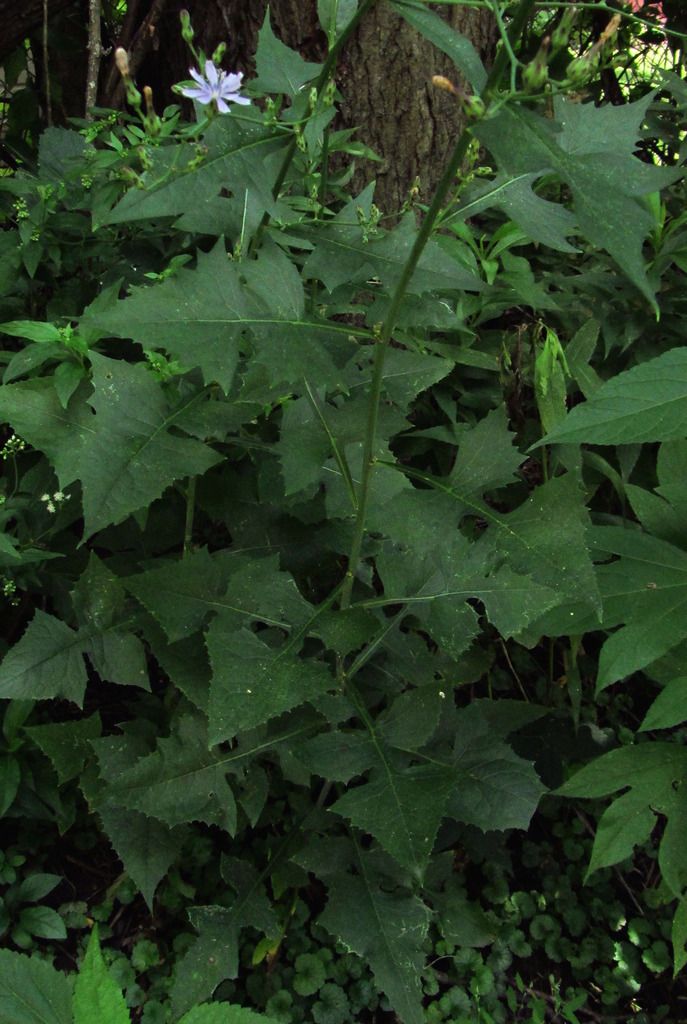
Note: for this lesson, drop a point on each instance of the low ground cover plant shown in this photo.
(335, 544)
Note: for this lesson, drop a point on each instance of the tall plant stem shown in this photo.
(320, 83)
(190, 513)
(448, 177)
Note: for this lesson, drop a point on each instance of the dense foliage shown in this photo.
(333, 541)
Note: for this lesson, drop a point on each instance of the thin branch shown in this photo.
(94, 51)
(46, 65)
(113, 78)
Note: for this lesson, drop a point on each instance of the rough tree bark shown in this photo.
(384, 76)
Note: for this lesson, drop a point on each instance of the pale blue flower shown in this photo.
(219, 86)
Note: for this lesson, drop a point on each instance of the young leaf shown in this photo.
(96, 995)
(33, 992)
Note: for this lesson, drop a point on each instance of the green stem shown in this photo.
(458, 156)
(190, 510)
(320, 83)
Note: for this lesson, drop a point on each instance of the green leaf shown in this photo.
(33, 992)
(34, 887)
(223, 1013)
(591, 150)
(183, 780)
(10, 777)
(100, 603)
(626, 823)
(47, 662)
(544, 222)
(387, 929)
(463, 922)
(280, 69)
(146, 848)
(669, 709)
(36, 414)
(446, 38)
(253, 682)
(656, 776)
(334, 15)
(43, 922)
(181, 595)
(646, 589)
(201, 316)
(132, 457)
(96, 995)
(240, 158)
(679, 937)
(578, 354)
(494, 789)
(32, 330)
(214, 955)
(487, 457)
(342, 256)
(401, 808)
(646, 403)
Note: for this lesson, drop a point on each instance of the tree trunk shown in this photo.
(19, 20)
(384, 76)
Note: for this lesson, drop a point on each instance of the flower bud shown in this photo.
(122, 61)
(218, 55)
(581, 70)
(444, 83)
(536, 73)
(474, 107)
(561, 33)
(186, 27)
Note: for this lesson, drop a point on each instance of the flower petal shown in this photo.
(196, 76)
(221, 105)
(211, 73)
(242, 100)
(231, 83)
(200, 93)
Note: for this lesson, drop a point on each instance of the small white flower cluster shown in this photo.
(12, 446)
(53, 501)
